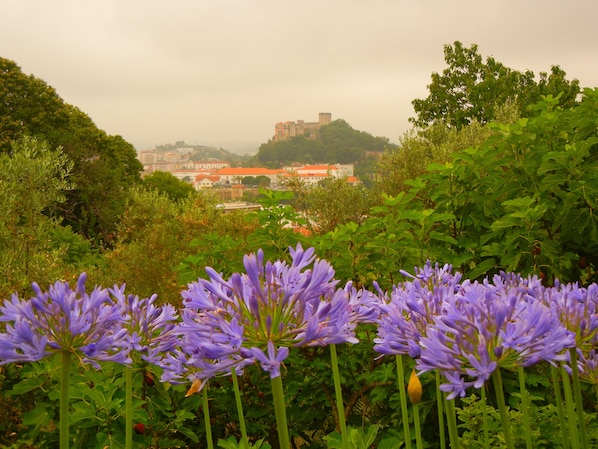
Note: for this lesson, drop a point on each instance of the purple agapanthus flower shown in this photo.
(271, 362)
(256, 316)
(411, 308)
(151, 329)
(487, 326)
(577, 309)
(88, 325)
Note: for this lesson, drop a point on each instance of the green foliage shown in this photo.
(154, 237)
(168, 184)
(277, 220)
(331, 203)
(398, 234)
(33, 179)
(232, 443)
(97, 407)
(522, 200)
(418, 149)
(545, 425)
(472, 90)
(358, 438)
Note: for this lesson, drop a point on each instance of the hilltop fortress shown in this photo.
(286, 130)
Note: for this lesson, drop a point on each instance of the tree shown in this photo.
(33, 180)
(262, 181)
(524, 200)
(471, 89)
(248, 181)
(418, 149)
(156, 234)
(331, 203)
(168, 184)
(104, 167)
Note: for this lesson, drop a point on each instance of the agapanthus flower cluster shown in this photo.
(411, 309)
(577, 309)
(88, 325)
(258, 315)
(491, 325)
(151, 329)
(467, 330)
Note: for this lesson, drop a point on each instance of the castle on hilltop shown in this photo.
(286, 130)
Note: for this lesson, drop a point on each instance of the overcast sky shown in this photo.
(223, 72)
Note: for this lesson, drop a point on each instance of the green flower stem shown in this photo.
(571, 418)
(556, 386)
(418, 432)
(440, 406)
(525, 408)
(245, 441)
(64, 399)
(340, 405)
(581, 422)
(128, 407)
(484, 416)
(502, 408)
(403, 397)
(206, 417)
(451, 420)
(280, 412)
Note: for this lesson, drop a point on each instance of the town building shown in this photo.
(236, 175)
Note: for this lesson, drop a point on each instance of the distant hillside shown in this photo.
(201, 152)
(337, 142)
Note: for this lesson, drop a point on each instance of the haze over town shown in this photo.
(223, 73)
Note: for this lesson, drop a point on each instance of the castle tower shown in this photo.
(325, 118)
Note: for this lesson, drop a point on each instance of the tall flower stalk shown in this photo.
(206, 415)
(502, 408)
(151, 333)
(556, 386)
(240, 413)
(525, 408)
(339, 397)
(65, 374)
(74, 324)
(403, 399)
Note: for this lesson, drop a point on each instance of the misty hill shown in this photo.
(335, 142)
(201, 152)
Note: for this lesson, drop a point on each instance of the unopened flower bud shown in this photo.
(195, 387)
(414, 388)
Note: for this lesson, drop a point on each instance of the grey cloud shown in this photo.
(221, 71)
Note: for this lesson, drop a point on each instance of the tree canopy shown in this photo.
(168, 184)
(471, 89)
(33, 180)
(104, 167)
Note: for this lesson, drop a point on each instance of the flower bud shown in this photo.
(195, 387)
(414, 388)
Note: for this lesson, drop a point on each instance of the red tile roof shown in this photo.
(248, 171)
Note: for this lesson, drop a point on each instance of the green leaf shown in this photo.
(40, 416)
(482, 268)
(26, 385)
